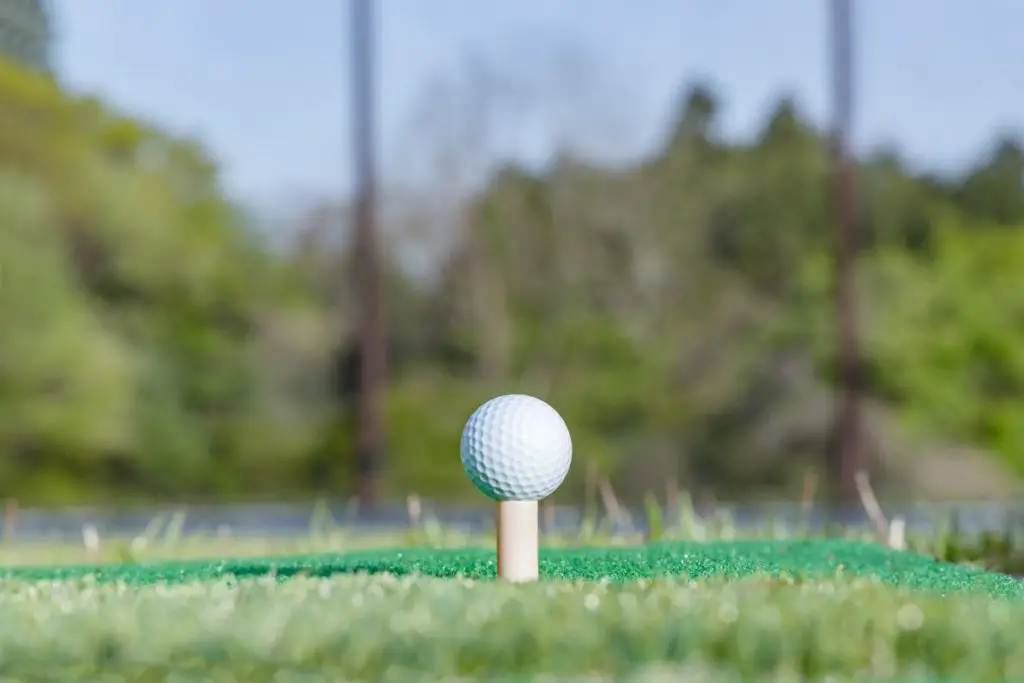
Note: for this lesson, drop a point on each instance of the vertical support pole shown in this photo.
(845, 460)
(369, 282)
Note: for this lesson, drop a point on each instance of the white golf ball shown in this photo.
(516, 447)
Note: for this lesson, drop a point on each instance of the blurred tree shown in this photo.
(994, 191)
(777, 211)
(943, 335)
(135, 369)
(26, 35)
(695, 128)
(677, 311)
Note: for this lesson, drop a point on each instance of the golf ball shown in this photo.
(516, 447)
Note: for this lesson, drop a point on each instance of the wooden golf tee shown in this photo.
(518, 540)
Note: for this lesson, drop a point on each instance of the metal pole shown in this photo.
(845, 460)
(369, 283)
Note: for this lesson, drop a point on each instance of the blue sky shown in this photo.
(268, 90)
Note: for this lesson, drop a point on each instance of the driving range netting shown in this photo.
(806, 559)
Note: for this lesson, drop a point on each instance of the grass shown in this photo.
(796, 610)
(422, 605)
(409, 629)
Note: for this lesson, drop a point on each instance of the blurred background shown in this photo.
(252, 252)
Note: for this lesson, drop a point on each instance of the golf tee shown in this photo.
(518, 540)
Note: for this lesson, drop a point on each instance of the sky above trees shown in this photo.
(268, 90)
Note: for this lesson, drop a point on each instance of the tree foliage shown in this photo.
(676, 311)
(129, 292)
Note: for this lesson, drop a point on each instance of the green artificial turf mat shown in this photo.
(733, 559)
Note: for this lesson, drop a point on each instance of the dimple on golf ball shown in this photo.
(516, 447)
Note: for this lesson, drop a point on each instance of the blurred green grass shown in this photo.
(864, 613)
(694, 599)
